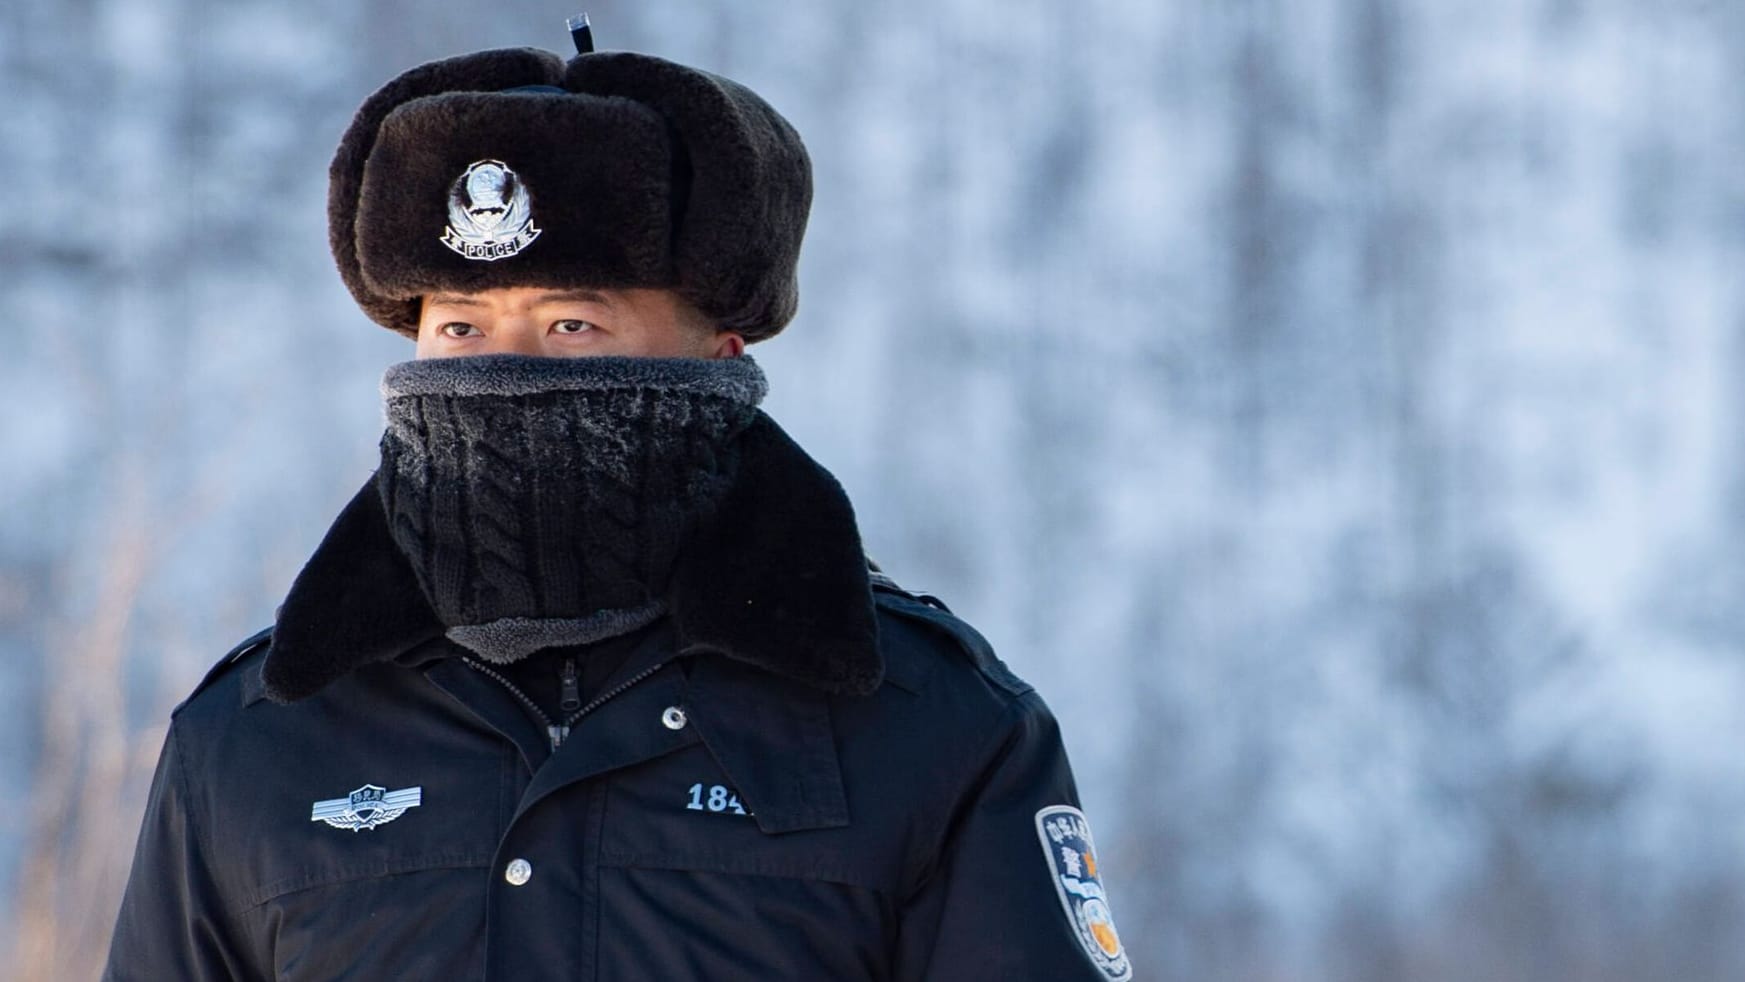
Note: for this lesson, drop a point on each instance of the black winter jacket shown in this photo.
(347, 798)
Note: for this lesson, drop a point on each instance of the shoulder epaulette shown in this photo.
(932, 612)
(249, 646)
(884, 584)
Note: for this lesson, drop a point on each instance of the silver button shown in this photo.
(673, 718)
(519, 871)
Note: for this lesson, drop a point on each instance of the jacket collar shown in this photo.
(779, 581)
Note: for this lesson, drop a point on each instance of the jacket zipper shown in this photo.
(572, 693)
(557, 733)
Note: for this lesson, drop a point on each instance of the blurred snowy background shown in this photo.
(1331, 408)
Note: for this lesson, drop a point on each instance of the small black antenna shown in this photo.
(581, 33)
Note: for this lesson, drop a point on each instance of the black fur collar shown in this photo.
(778, 581)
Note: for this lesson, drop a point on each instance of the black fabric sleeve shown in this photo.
(172, 923)
(993, 907)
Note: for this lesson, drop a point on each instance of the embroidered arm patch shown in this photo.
(1072, 863)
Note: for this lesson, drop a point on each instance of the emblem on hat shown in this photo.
(367, 807)
(490, 215)
(1072, 863)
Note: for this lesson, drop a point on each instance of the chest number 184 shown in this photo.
(717, 799)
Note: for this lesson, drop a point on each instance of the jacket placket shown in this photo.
(542, 892)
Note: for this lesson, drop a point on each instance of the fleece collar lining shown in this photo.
(737, 380)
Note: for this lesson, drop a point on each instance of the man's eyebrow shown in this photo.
(452, 300)
(576, 296)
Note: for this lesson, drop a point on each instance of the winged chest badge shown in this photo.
(366, 808)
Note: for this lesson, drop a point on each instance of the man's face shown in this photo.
(568, 323)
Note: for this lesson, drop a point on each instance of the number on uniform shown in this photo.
(715, 798)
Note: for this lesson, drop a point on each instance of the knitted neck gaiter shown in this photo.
(541, 501)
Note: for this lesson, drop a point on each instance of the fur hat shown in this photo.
(513, 168)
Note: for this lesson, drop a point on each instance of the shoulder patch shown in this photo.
(260, 639)
(970, 641)
(1072, 865)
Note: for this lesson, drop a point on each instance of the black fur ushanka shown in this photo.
(641, 173)
(779, 580)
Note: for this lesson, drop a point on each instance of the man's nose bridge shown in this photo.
(518, 336)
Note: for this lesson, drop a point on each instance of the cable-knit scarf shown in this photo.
(541, 501)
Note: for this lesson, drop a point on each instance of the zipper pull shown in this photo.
(558, 734)
(572, 690)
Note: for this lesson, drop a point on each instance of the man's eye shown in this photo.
(458, 329)
(571, 327)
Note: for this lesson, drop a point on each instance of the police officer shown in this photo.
(592, 680)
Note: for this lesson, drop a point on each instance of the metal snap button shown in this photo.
(673, 718)
(518, 871)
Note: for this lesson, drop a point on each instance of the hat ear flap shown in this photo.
(484, 71)
(739, 222)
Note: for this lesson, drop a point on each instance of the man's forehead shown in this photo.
(517, 294)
